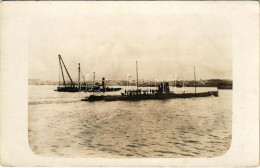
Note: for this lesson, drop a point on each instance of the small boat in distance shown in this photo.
(225, 86)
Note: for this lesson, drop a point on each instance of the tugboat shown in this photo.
(102, 88)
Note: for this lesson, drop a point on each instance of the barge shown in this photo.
(81, 86)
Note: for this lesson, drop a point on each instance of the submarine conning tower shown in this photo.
(163, 88)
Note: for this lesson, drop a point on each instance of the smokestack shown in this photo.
(103, 85)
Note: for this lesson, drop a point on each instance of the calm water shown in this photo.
(61, 125)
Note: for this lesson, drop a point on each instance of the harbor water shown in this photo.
(60, 125)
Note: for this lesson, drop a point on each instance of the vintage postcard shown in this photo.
(129, 83)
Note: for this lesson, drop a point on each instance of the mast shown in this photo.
(93, 79)
(62, 71)
(136, 76)
(79, 73)
(72, 84)
(59, 72)
(195, 79)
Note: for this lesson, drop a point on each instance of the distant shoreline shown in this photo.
(179, 83)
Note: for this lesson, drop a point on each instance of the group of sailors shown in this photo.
(139, 91)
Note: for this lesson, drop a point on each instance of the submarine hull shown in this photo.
(138, 97)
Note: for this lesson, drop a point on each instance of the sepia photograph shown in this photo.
(129, 84)
(156, 85)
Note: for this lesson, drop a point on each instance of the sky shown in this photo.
(109, 43)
